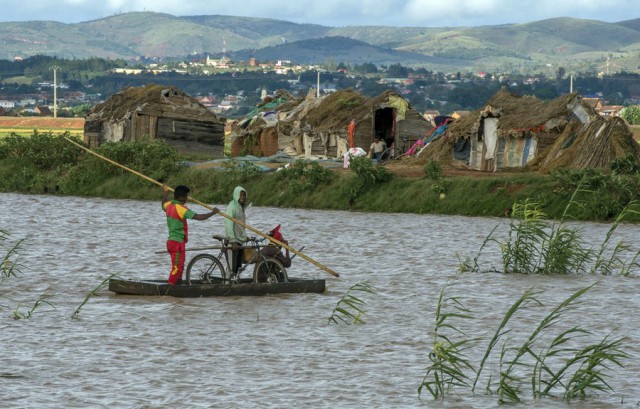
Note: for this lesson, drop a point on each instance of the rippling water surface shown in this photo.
(272, 351)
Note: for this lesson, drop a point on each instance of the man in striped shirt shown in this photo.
(177, 216)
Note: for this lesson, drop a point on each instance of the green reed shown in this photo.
(593, 361)
(350, 309)
(471, 265)
(17, 315)
(552, 365)
(537, 245)
(448, 363)
(528, 297)
(509, 383)
(9, 265)
(93, 292)
(616, 262)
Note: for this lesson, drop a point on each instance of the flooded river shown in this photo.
(272, 351)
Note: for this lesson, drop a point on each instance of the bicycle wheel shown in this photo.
(269, 271)
(204, 268)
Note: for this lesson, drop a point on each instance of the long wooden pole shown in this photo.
(265, 235)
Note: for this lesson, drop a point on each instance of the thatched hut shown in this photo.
(257, 132)
(510, 130)
(155, 112)
(593, 146)
(318, 126)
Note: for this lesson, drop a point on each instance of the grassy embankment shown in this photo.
(46, 163)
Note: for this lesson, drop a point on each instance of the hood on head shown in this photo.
(236, 193)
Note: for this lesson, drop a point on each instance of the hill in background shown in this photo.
(581, 45)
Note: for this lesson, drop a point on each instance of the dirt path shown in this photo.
(41, 123)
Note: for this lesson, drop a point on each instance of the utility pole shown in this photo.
(318, 86)
(55, 69)
(571, 85)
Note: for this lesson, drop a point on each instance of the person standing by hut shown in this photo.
(236, 233)
(377, 148)
(177, 216)
(351, 130)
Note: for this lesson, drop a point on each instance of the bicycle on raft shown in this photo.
(206, 268)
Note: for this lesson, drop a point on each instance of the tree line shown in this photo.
(426, 90)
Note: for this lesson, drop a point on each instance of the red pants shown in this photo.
(177, 252)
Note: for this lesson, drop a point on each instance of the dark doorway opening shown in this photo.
(384, 125)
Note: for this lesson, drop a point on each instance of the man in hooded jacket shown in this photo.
(236, 234)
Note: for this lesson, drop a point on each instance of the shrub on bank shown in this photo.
(366, 175)
(304, 176)
(155, 159)
(43, 151)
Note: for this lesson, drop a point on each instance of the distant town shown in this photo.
(233, 88)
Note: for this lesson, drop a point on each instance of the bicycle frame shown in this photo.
(209, 268)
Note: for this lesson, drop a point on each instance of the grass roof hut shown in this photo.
(258, 132)
(155, 112)
(318, 126)
(511, 130)
(593, 146)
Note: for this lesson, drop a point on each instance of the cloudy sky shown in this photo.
(335, 13)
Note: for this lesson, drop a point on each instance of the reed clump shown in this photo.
(549, 363)
(537, 245)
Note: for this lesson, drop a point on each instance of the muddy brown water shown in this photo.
(273, 351)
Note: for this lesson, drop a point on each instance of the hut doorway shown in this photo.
(384, 125)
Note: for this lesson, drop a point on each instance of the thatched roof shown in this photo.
(518, 115)
(159, 100)
(337, 109)
(327, 113)
(591, 146)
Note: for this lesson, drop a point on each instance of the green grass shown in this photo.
(19, 80)
(45, 163)
(491, 196)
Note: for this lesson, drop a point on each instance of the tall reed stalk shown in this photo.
(448, 364)
(615, 262)
(9, 265)
(17, 315)
(93, 292)
(550, 367)
(350, 309)
(507, 377)
(593, 363)
(528, 297)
